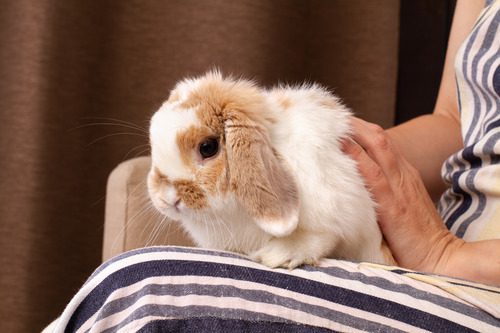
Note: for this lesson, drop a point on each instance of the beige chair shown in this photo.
(130, 221)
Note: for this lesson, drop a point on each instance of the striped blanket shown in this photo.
(176, 289)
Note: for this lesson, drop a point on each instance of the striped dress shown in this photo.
(471, 206)
(176, 289)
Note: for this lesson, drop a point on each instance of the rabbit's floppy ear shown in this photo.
(259, 178)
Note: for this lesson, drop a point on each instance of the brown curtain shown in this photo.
(69, 69)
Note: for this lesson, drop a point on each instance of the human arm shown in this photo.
(426, 142)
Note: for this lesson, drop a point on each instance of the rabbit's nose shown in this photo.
(176, 204)
(171, 198)
(170, 203)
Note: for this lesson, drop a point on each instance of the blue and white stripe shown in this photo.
(174, 289)
(471, 207)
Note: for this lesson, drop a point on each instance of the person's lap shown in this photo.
(185, 289)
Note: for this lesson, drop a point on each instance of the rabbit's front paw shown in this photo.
(282, 252)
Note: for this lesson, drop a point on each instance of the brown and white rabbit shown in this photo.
(261, 172)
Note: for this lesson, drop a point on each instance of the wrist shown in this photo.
(441, 254)
(474, 261)
(477, 261)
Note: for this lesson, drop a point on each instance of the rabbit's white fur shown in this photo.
(326, 210)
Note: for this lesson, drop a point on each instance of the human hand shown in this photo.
(407, 216)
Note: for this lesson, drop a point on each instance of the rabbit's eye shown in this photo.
(209, 147)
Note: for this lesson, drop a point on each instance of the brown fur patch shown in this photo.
(191, 194)
(213, 176)
(219, 100)
(188, 142)
(258, 176)
(212, 170)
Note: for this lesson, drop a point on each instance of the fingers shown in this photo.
(372, 173)
(373, 139)
(381, 167)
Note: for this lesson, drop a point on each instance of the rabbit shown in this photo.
(261, 172)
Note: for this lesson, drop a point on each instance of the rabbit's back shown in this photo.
(333, 199)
